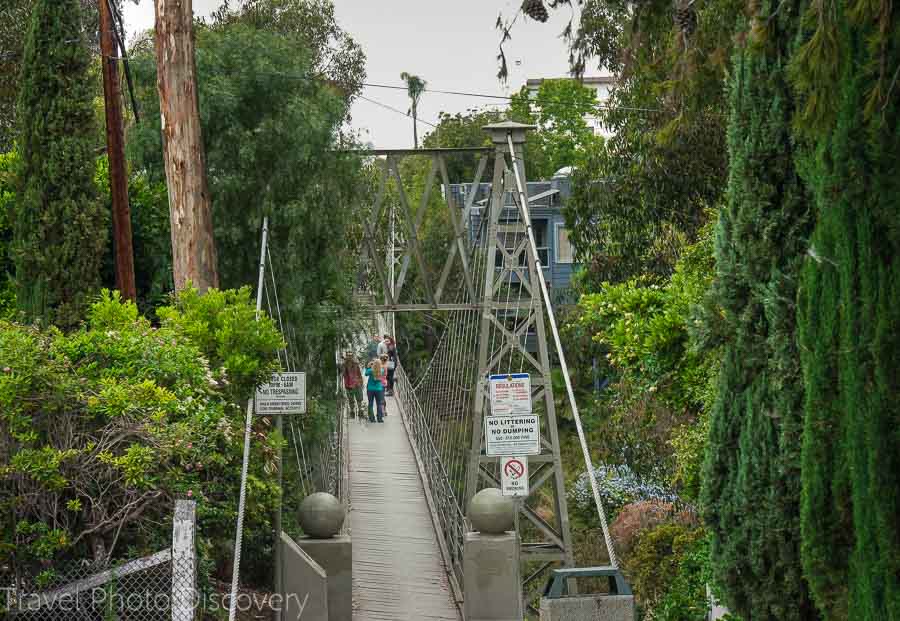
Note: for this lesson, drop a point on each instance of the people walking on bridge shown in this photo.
(353, 379)
(383, 346)
(384, 378)
(392, 365)
(375, 390)
(373, 347)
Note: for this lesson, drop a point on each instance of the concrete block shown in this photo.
(492, 577)
(305, 584)
(335, 556)
(588, 608)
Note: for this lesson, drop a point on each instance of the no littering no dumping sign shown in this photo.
(284, 394)
(514, 476)
(512, 435)
(511, 429)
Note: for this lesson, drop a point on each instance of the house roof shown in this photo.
(586, 80)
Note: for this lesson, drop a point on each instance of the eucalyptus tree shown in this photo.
(271, 129)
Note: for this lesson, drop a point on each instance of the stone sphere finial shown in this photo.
(491, 512)
(321, 515)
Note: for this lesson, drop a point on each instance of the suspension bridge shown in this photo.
(406, 484)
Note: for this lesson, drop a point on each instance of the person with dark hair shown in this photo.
(392, 364)
(373, 347)
(353, 379)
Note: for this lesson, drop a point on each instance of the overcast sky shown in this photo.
(451, 44)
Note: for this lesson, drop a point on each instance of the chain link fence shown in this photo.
(159, 587)
(136, 590)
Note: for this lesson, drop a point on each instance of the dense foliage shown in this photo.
(648, 191)
(15, 17)
(849, 315)
(649, 423)
(112, 422)
(668, 571)
(8, 183)
(563, 137)
(752, 471)
(151, 239)
(310, 25)
(638, 335)
(459, 131)
(60, 230)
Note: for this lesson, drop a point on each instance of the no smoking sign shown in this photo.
(514, 476)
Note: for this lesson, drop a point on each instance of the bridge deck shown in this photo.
(398, 573)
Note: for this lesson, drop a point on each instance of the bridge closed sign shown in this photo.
(512, 435)
(514, 476)
(510, 394)
(284, 394)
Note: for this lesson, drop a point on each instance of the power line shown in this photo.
(505, 98)
(508, 98)
(397, 110)
(442, 92)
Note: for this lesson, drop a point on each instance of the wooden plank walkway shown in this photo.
(398, 573)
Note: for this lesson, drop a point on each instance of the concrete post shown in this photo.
(588, 608)
(304, 584)
(335, 556)
(492, 577)
(184, 561)
(615, 605)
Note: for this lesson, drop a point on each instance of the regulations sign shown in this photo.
(510, 394)
(512, 435)
(284, 394)
(514, 476)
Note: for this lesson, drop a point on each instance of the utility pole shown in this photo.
(193, 246)
(115, 149)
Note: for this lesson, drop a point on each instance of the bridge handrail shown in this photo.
(449, 521)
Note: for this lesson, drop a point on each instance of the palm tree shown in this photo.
(415, 86)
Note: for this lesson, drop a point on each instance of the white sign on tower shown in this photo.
(510, 394)
(514, 476)
(284, 394)
(512, 435)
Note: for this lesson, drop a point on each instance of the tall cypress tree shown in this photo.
(850, 310)
(751, 485)
(60, 228)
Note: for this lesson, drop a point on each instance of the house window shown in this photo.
(564, 251)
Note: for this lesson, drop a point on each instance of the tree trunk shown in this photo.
(415, 128)
(115, 148)
(193, 246)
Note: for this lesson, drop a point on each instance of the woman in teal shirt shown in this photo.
(375, 389)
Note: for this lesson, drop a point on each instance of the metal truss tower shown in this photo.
(517, 265)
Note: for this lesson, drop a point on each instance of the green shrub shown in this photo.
(653, 417)
(667, 572)
(686, 599)
(8, 163)
(103, 428)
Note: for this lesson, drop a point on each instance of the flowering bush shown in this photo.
(618, 486)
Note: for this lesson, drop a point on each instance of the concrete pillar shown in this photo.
(588, 608)
(335, 556)
(184, 561)
(492, 577)
(304, 584)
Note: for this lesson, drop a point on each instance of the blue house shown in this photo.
(546, 199)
